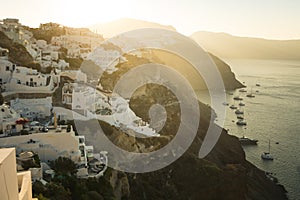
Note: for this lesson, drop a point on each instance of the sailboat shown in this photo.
(250, 95)
(267, 155)
(247, 141)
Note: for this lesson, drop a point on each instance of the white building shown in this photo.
(8, 119)
(76, 75)
(26, 80)
(6, 71)
(13, 185)
(106, 59)
(4, 53)
(37, 108)
(78, 42)
(110, 108)
(49, 146)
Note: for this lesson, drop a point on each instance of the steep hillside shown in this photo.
(223, 174)
(162, 57)
(17, 52)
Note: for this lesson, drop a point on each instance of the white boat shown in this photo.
(241, 104)
(239, 112)
(233, 107)
(247, 141)
(267, 155)
(241, 122)
(237, 98)
(250, 95)
(240, 117)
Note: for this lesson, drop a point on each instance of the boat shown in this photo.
(267, 155)
(257, 84)
(247, 141)
(237, 98)
(240, 117)
(233, 107)
(239, 112)
(241, 122)
(242, 90)
(250, 95)
(241, 104)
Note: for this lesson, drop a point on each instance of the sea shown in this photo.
(273, 115)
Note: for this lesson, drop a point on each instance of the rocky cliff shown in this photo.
(223, 174)
(179, 64)
(17, 52)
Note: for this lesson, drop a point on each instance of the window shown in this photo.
(7, 68)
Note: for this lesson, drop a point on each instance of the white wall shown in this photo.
(8, 175)
(49, 146)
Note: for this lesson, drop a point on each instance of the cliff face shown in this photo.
(223, 174)
(230, 82)
(17, 52)
(179, 64)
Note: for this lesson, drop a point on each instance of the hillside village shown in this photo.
(42, 96)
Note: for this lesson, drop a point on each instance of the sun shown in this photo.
(89, 12)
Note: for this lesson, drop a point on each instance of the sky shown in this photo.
(271, 19)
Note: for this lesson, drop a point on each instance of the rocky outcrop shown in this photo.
(17, 52)
(223, 174)
(229, 79)
(108, 81)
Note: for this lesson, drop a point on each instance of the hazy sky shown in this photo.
(279, 19)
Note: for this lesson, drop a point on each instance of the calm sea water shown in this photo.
(274, 114)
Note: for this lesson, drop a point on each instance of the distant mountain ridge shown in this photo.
(116, 27)
(228, 46)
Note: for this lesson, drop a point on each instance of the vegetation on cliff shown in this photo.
(66, 186)
(17, 52)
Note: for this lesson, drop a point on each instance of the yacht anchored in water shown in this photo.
(241, 122)
(267, 155)
(250, 95)
(247, 141)
(238, 98)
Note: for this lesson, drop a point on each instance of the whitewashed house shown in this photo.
(30, 81)
(8, 119)
(18, 186)
(106, 58)
(6, 71)
(33, 109)
(49, 146)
